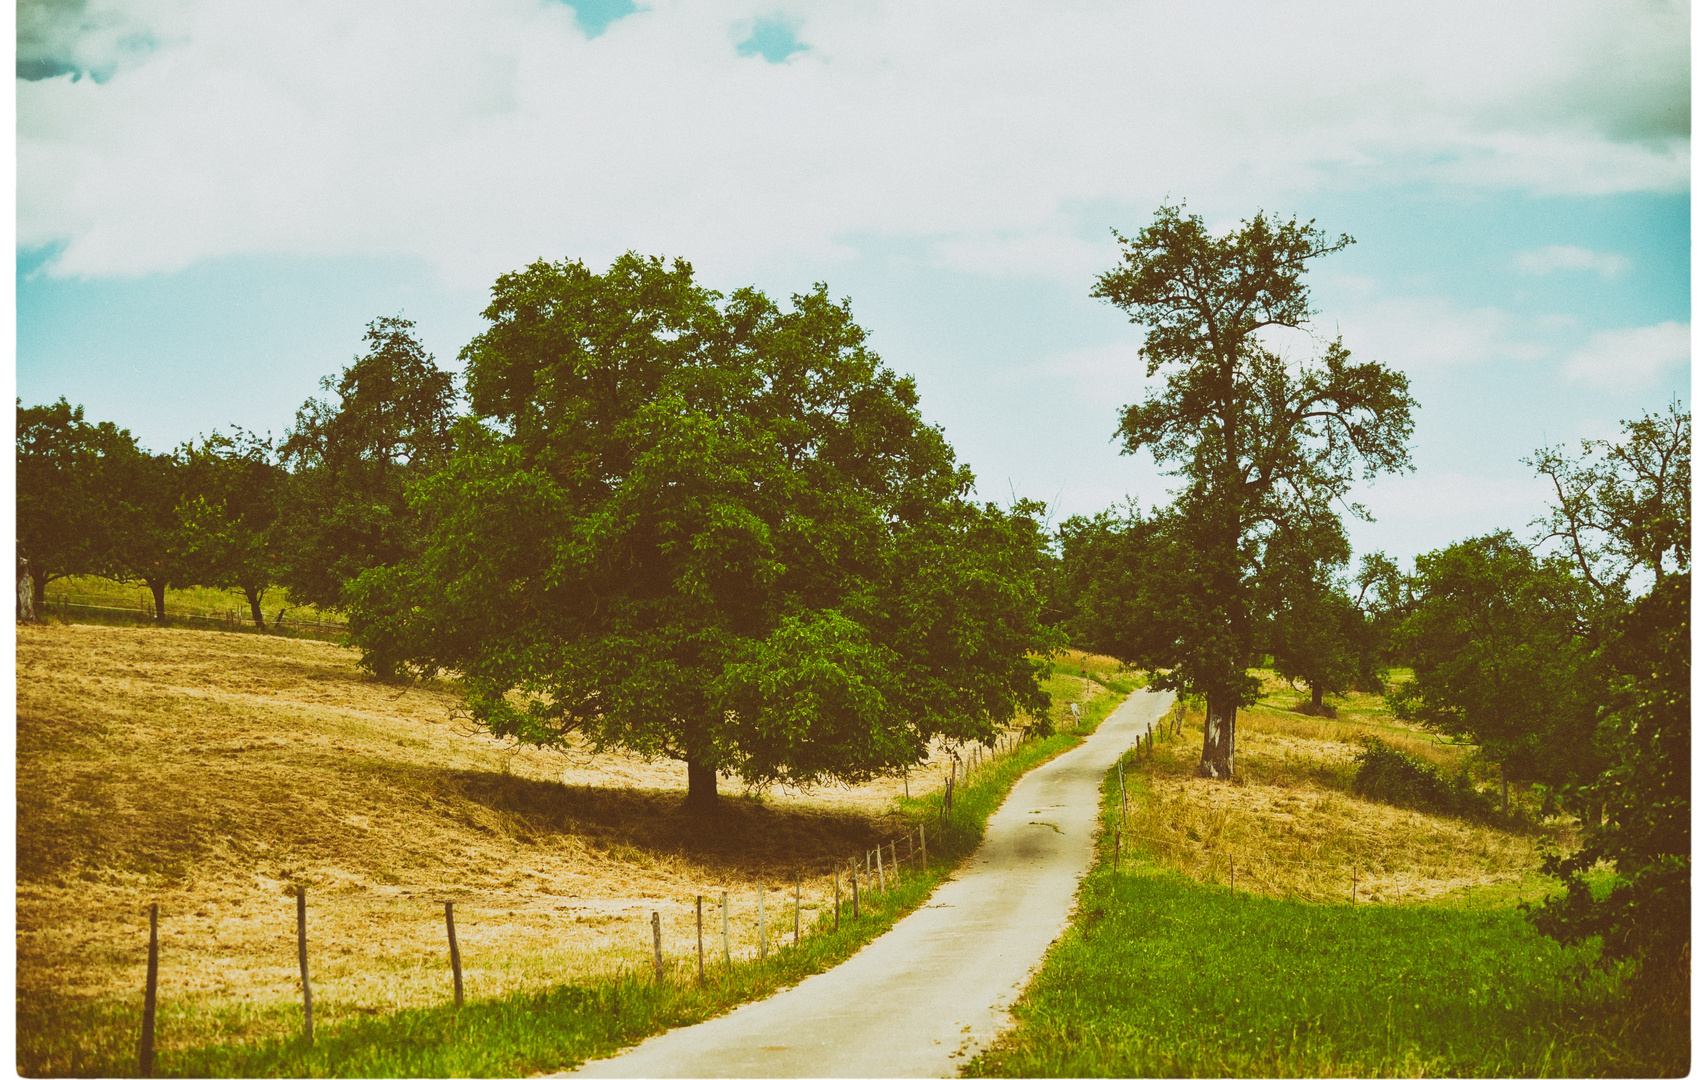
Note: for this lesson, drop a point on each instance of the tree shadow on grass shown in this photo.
(744, 831)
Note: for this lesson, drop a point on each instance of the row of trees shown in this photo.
(703, 527)
(232, 509)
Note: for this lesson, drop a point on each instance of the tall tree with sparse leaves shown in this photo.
(1261, 442)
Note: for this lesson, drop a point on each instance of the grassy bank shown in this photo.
(1161, 975)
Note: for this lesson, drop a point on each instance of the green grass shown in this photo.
(559, 1028)
(196, 607)
(1161, 976)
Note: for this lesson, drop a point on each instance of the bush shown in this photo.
(1387, 773)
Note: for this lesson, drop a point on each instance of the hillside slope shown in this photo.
(212, 773)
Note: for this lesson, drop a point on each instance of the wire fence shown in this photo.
(68, 607)
(411, 944)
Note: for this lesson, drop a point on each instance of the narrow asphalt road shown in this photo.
(935, 989)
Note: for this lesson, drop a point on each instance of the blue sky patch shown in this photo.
(595, 16)
(773, 39)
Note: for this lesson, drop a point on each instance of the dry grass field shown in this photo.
(1288, 825)
(212, 773)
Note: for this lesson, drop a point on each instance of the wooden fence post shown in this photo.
(838, 920)
(797, 910)
(1354, 883)
(657, 948)
(764, 945)
(302, 961)
(699, 932)
(881, 884)
(854, 878)
(1117, 849)
(894, 867)
(924, 862)
(726, 961)
(146, 1051)
(455, 953)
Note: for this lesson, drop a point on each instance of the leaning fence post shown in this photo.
(302, 961)
(455, 953)
(764, 949)
(146, 1051)
(699, 932)
(726, 961)
(657, 948)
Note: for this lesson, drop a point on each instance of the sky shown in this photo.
(214, 199)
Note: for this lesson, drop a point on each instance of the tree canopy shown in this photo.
(1262, 443)
(711, 529)
(343, 507)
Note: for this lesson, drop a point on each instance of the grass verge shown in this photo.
(527, 1032)
(1163, 976)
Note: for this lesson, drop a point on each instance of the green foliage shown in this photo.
(1622, 508)
(1499, 644)
(1264, 444)
(1387, 773)
(343, 508)
(1645, 793)
(229, 511)
(709, 529)
(69, 494)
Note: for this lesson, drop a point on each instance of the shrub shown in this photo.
(1387, 773)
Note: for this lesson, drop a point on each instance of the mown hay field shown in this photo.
(1289, 824)
(213, 773)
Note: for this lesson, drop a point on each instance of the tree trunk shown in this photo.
(702, 788)
(39, 580)
(1220, 711)
(253, 595)
(157, 586)
(1316, 699)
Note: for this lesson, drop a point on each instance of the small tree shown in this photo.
(1501, 653)
(343, 509)
(151, 543)
(229, 511)
(1313, 629)
(707, 529)
(1261, 444)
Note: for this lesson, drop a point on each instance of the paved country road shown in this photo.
(934, 990)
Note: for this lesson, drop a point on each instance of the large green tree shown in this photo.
(709, 529)
(1262, 442)
(343, 507)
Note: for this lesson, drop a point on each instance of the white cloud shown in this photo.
(1629, 359)
(1454, 496)
(1418, 334)
(479, 135)
(1570, 257)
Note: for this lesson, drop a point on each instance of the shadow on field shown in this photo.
(743, 832)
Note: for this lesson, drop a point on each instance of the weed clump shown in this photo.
(1387, 773)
